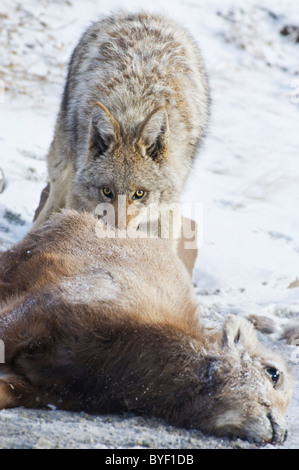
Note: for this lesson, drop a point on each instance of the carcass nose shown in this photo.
(279, 431)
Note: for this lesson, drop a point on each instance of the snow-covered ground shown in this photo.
(247, 174)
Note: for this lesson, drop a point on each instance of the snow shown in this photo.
(247, 173)
(89, 288)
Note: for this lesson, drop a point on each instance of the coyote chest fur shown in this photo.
(133, 113)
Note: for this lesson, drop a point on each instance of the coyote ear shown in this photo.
(104, 129)
(154, 132)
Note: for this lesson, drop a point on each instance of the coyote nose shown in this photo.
(126, 212)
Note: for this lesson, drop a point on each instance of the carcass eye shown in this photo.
(274, 374)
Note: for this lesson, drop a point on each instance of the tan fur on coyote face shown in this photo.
(110, 325)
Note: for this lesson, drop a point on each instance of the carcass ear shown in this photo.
(239, 333)
(154, 132)
(104, 129)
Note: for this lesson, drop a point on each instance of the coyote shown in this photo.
(133, 113)
(111, 325)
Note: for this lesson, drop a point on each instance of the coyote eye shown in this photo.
(107, 192)
(138, 194)
(274, 374)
